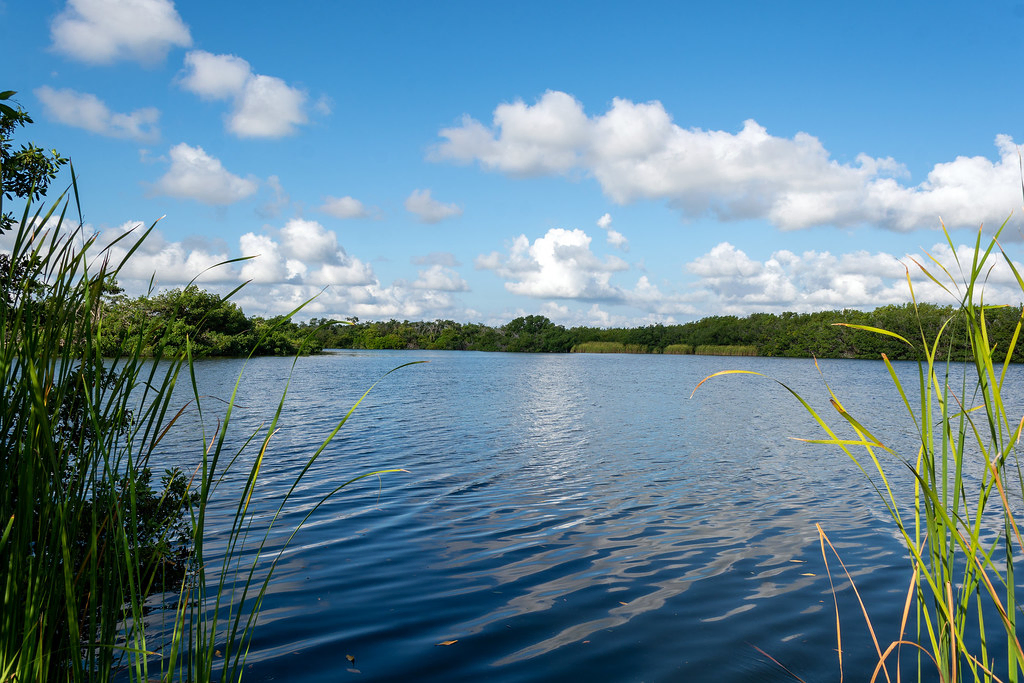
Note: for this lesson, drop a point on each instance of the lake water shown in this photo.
(565, 517)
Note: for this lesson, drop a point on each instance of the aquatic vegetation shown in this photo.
(679, 349)
(720, 350)
(86, 538)
(959, 524)
(608, 347)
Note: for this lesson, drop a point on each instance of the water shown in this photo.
(564, 517)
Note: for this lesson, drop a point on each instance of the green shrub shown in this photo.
(680, 349)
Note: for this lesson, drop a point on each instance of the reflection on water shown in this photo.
(565, 516)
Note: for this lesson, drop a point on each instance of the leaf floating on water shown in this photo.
(808, 574)
(799, 561)
(623, 603)
(448, 642)
(351, 659)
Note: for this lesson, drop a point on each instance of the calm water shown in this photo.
(564, 517)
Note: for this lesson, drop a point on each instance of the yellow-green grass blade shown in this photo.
(876, 330)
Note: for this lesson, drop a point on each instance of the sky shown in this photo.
(599, 163)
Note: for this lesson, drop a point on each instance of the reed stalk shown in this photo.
(960, 524)
(86, 538)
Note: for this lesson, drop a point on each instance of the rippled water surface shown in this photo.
(564, 517)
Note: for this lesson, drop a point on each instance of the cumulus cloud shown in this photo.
(429, 210)
(660, 306)
(344, 207)
(83, 110)
(215, 77)
(106, 31)
(335, 283)
(614, 238)
(548, 137)
(262, 106)
(194, 174)
(442, 279)
(156, 256)
(310, 241)
(559, 265)
(305, 253)
(267, 264)
(635, 151)
(729, 281)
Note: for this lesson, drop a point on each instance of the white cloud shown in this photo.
(83, 110)
(724, 260)
(559, 265)
(262, 106)
(268, 108)
(733, 283)
(105, 31)
(341, 287)
(267, 264)
(660, 306)
(159, 258)
(428, 209)
(592, 316)
(614, 238)
(635, 151)
(547, 137)
(347, 271)
(344, 207)
(194, 174)
(306, 254)
(215, 77)
(309, 241)
(618, 240)
(442, 279)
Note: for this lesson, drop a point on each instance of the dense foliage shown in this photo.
(823, 334)
(210, 324)
(25, 172)
(86, 532)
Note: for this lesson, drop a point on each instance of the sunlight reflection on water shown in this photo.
(563, 516)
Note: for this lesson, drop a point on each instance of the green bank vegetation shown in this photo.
(87, 537)
(960, 522)
(208, 324)
(824, 334)
(607, 347)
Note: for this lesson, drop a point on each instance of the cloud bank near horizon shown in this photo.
(571, 283)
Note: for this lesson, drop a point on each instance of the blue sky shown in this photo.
(598, 163)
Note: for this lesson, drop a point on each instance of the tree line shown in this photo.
(215, 326)
(823, 334)
(210, 324)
